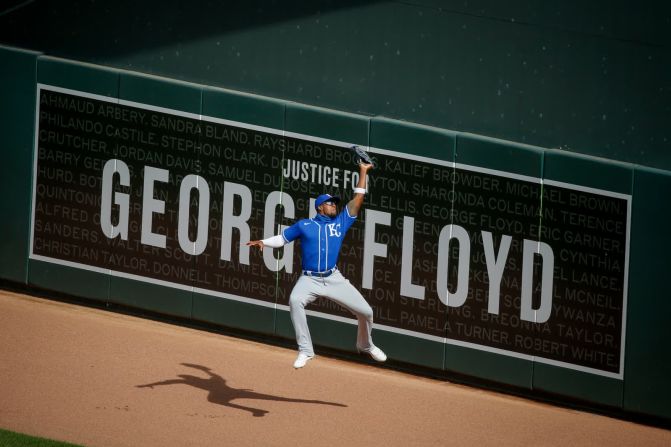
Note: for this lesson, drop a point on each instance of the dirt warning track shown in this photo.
(101, 379)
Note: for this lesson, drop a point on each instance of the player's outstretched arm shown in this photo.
(275, 242)
(354, 205)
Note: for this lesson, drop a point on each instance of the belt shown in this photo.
(325, 274)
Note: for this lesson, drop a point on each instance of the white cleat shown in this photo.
(302, 359)
(376, 353)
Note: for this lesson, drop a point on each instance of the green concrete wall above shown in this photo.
(590, 79)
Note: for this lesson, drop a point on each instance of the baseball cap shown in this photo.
(325, 198)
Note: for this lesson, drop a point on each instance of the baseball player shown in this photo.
(321, 238)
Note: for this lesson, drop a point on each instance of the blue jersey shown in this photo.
(321, 238)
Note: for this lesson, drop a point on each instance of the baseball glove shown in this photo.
(361, 156)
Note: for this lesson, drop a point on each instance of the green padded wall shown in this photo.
(243, 108)
(93, 80)
(341, 127)
(79, 76)
(17, 121)
(500, 155)
(432, 143)
(325, 123)
(413, 139)
(167, 94)
(507, 157)
(648, 366)
(604, 175)
(257, 111)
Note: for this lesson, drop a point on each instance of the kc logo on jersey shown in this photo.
(334, 230)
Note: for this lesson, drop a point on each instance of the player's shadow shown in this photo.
(222, 394)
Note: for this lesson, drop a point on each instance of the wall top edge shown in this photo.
(19, 50)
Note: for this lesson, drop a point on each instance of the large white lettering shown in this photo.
(239, 221)
(407, 287)
(190, 183)
(372, 248)
(275, 199)
(458, 298)
(150, 205)
(495, 267)
(237, 210)
(121, 200)
(542, 314)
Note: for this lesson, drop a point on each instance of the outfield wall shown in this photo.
(525, 266)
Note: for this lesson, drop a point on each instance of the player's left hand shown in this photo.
(362, 157)
(255, 244)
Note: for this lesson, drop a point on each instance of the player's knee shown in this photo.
(296, 302)
(368, 313)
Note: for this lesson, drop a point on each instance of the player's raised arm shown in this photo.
(356, 203)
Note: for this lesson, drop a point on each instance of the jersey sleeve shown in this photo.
(346, 219)
(292, 233)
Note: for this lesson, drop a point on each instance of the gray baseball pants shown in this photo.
(334, 287)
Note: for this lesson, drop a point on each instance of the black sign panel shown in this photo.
(588, 233)
(488, 260)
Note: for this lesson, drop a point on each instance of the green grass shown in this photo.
(11, 439)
